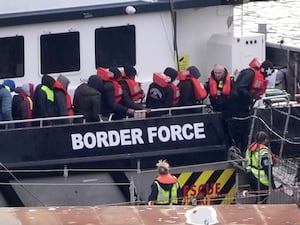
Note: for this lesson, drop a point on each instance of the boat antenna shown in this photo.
(174, 23)
(18, 181)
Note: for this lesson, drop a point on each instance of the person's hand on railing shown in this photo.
(130, 111)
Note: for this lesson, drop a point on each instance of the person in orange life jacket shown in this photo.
(128, 85)
(6, 88)
(260, 161)
(192, 92)
(162, 95)
(22, 104)
(87, 99)
(62, 98)
(43, 100)
(112, 94)
(249, 84)
(219, 88)
(165, 190)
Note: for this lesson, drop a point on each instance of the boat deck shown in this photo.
(232, 214)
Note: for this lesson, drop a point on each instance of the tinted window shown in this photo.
(115, 46)
(12, 57)
(60, 53)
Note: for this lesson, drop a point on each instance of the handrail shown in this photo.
(170, 109)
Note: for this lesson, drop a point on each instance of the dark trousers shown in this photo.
(260, 189)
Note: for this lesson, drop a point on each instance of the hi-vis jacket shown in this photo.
(214, 86)
(166, 197)
(254, 155)
(104, 74)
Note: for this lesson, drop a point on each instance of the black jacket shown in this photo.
(159, 97)
(187, 97)
(108, 102)
(87, 102)
(241, 100)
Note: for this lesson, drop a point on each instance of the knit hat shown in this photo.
(95, 82)
(170, 72)
(117, 73)
(129, 71)
(64, 81)
(48, 81)
(10, 84)
(267, 68)
(194, 71)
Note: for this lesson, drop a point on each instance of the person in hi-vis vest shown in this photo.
(260, 161)
(165, 189)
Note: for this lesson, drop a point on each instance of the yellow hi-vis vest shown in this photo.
(49, 93)
(164, 197)
(254, 165)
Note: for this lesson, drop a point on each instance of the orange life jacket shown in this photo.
(213, 86)
(135, 88)
(104, 74)
(255, 147)
(166, 179)
(59, 86)
(199, 91)
(259, 84)
(176, 93)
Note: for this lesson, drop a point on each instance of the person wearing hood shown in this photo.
(22, 104)
(162, 92)
(192, 92)
(165, 190)
(87, 99)
(62, 98)
(249, 85)
(113, 94)
(6, 88)
(43, 99)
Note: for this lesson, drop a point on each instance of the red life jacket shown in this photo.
(135, 88)
(176, 93)
(199, 91)
(213, 86)
(104, 74)
(166, 179)
(164, 81)
(59, 86)
(259, 84)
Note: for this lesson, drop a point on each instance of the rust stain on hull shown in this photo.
(145, 215)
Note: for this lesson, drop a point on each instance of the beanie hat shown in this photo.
(10, 84)
(170, 72)
(129, 71)
(267, 68)
(48, 81)
(117, 73)
(95, 82)
(64, 81)
(194, 71)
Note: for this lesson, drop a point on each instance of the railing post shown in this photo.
(131, 191)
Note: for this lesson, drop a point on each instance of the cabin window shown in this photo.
(60, 52)
(115, 46)
(11, 57)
